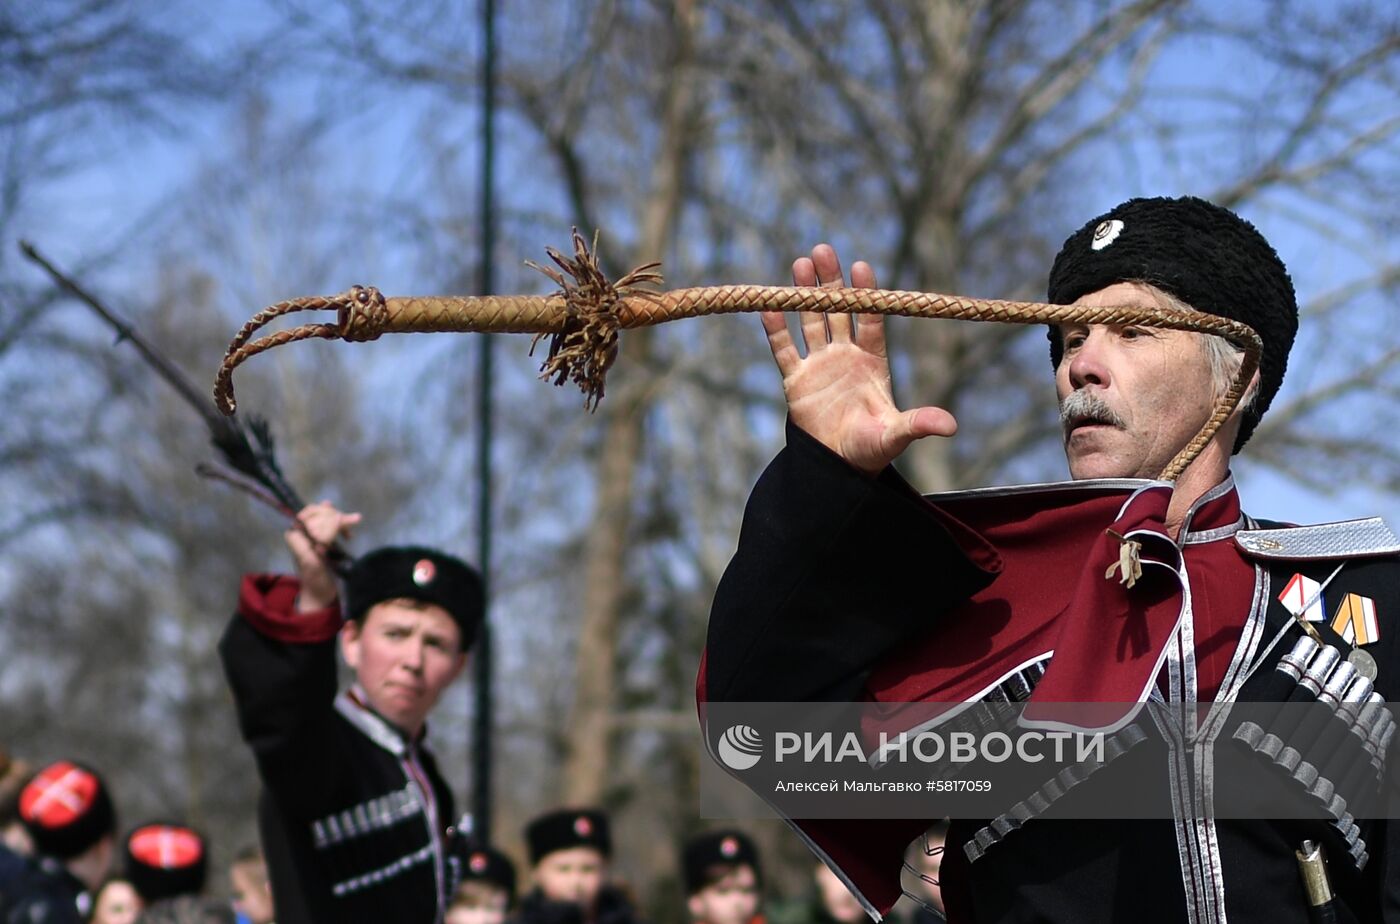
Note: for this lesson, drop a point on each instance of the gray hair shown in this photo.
(1223, 356)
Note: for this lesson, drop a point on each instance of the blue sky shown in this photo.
(99, 206)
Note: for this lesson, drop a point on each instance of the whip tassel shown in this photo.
(584, 318)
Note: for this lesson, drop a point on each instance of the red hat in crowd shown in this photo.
(164, 860)
(66, 809)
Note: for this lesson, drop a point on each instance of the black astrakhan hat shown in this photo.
(704, 852)
(417, 573)
(486, 864)
(1203, 254)
(164, 860)
(568, 828)
(66, 809)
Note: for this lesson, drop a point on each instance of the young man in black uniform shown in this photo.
(570, 853)
(485, 889)
(354, 815)
(723, 878)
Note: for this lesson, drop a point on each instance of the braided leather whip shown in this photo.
(583, 320)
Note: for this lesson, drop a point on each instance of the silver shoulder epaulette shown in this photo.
(1348, 539)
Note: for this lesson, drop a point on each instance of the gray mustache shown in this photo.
(1085, 405)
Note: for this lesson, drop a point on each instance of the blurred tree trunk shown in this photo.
(587, 769)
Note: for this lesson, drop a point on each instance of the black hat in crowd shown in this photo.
(1203, 254)
(480, 863)
(702, 853)
(568, 828)
(417, 573)
(164, 860)
(66, 809)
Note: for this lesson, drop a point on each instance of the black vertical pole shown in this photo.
(482, 730)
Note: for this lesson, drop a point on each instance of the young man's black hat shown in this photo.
(417, 573)
(568, 828)
(480, 863)
(705, 854)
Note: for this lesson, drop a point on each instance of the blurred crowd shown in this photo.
(63, 858)
(354, 819)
